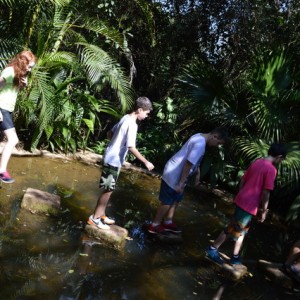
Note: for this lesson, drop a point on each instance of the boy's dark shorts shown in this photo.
(7, 122)
(109, 177)
(167, 195)
(239, 224)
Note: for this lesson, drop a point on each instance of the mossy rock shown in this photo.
(41, 202)
(114, 237)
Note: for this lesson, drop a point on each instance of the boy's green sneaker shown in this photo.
(214, 255)
(235, 261)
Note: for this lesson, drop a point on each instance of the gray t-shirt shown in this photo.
(192, 151)
(124, 136)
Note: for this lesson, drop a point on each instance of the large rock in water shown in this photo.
(231, 272)
(273, 271)
(38, 201)
(115, 236)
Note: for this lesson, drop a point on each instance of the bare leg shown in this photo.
(161, 211)
(220, 240)
(12, 140)
(101, 204)
(238, 245)
(294, 254)
(171, 211)
(297, 263)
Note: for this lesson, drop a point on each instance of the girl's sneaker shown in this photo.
(97, 222)
(5, 177)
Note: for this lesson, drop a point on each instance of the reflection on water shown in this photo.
(51, 258)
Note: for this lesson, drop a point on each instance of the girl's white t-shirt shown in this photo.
(192, 151)
(124, 136)
(8, 93)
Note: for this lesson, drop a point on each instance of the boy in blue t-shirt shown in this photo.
(176, 173)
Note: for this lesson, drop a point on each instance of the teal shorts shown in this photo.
(239, 224)
(109, 177)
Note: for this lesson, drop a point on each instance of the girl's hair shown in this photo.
(20, 63)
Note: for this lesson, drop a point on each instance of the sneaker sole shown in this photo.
(174, 231)
(112, 222)
(90, 222)
(234, 264)
(12, 181)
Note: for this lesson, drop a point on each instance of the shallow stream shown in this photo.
(43, 257)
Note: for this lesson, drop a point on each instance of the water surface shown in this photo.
(43, 257)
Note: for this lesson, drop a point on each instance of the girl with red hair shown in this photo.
(12, 79)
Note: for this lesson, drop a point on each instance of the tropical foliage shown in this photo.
(73, 77)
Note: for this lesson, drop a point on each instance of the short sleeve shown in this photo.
(8, 74)
(131, 135)
(195, 152)
(270, 177)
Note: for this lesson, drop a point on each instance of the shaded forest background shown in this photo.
(203, 64)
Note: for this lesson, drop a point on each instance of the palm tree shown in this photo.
(59, 34)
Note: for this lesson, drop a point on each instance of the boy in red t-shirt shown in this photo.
(252, 199)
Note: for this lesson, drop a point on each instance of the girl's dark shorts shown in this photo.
(109, 177)
(167, 195)
(7, 122)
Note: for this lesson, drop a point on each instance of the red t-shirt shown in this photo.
(259, 176)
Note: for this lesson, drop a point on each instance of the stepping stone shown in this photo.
(115, 236)
(169, 237)
(38, 201)
(231, 272)
(272, 270)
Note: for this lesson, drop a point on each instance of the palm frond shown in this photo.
(8, 48)
(146, 9)
(101, 68)
(110, 33)
(249, 149)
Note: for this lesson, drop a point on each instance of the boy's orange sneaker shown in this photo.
(97, 222)
(107, 220)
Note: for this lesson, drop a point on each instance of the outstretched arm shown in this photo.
(140, 157)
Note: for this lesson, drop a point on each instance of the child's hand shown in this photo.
(24, 80)
(149, 165)
(180, 187)
(262, 215)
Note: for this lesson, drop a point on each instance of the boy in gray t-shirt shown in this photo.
(177, 170)
(123, 139)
